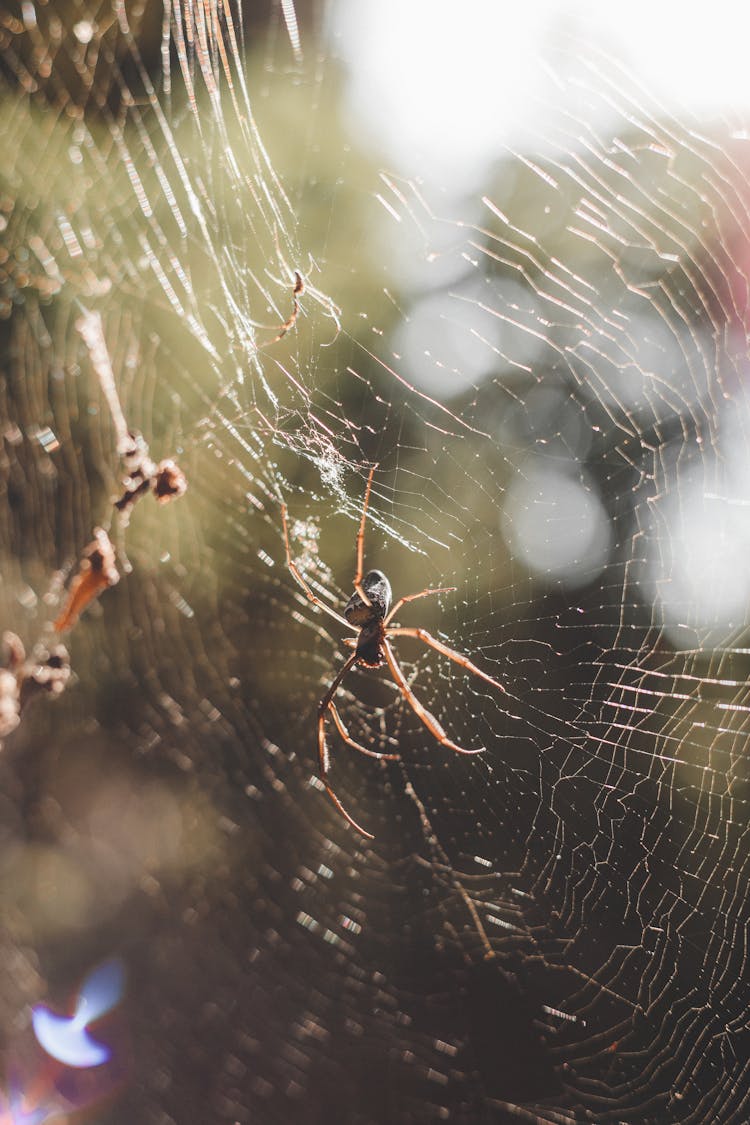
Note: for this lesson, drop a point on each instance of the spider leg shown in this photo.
(423, 635)
(361, 542)
(420, 711)
(296, 574)
(343, 731)
(324, 762)
(413, 598)
(299, 288)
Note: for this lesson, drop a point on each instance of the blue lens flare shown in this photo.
(14, 1114)
(16, 1109)
(67, 1039)
(101, 991)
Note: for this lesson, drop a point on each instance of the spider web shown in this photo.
(547, 361)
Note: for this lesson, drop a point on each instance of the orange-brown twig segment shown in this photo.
(96, 572)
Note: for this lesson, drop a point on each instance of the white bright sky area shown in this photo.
(441, 92)
(442, 87)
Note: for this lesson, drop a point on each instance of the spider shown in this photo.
(369, 613)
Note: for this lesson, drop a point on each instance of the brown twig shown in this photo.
(46, 672)
(96, 572)
(166, 480)
(297, 291)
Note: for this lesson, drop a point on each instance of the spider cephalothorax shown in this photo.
(369, 612)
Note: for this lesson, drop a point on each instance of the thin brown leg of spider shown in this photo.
(423, 635)
(324, 764)
(299, 288)
(422, 713)
(413, 598)
(296, 574)
(344, 732)
(361, 542)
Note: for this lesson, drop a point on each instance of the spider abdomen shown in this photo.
(378, 589)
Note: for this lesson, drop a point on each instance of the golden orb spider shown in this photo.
(369, 613)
